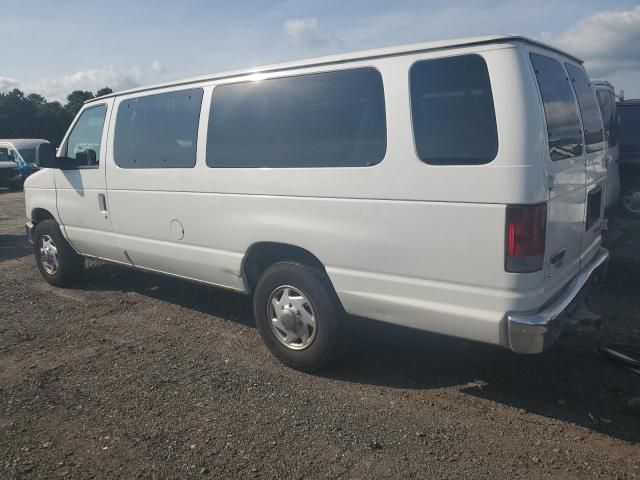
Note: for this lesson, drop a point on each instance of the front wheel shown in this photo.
(630, 200)
(58, 263)
(299, 316)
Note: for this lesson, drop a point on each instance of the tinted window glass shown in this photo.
(607, 109)
(332, 119)
(4, 154)
(28, 154)
(560, 109)
(454, 121)
(588, 108)
(83, 145)
(158, 131)
(629, 128)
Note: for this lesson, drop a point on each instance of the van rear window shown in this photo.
(454, 121)
(158, 131)
(608, 111)
(560, 109)
(588, 108)
(333, 119)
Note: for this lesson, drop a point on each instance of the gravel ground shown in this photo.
(136, 375)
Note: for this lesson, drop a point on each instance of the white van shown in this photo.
(606, 96)
(454, 187)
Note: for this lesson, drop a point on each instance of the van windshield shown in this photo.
(28, 154)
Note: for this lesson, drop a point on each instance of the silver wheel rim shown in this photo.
(49, 255)
(631, 200)
(292, 317)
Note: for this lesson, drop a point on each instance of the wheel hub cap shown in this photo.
(49, 255)
(632, 200)
(293, 319)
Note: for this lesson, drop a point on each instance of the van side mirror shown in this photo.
(46, 156)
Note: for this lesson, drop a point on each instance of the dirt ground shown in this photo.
(133, 375)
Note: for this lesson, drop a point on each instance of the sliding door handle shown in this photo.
(102, 203)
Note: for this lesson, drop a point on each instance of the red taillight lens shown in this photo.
(525, 242)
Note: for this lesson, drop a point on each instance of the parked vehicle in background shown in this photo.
(607, 101)
(24, 152)
(408, 185)
(629, 140)
(9, 171)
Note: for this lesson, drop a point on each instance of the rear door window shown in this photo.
(588, 108)
(561, 112)
(454, 121)
(608, 111)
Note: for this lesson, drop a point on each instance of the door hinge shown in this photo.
(552, 182)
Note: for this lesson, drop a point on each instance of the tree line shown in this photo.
(32, 116)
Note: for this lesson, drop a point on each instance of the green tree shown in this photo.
(75, 100)
(103, 91)
(32, 116)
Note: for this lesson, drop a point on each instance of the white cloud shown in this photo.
(156, 67)
(7, 84)
(608, 41)
(57, 88)
(305, 32)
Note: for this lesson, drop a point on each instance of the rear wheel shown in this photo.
(58, 263)
(630, 200)
(299, 316)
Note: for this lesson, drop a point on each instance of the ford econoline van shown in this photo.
(629, 140)
(455, 187)
(605, 94)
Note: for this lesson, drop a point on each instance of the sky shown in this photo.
(55, 47)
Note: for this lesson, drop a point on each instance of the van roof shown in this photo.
(349, 57)
(601, 83)
(629, 101)
(23, 142)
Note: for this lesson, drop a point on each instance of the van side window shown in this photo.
(158, 131)
(588, 108)
(454, 121)
(333, 119)
(560, 109)
(83, 145)
(608, 110)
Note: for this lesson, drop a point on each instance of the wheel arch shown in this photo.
(261, 255)
(39, 214)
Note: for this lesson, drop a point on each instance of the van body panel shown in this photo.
(402, 241)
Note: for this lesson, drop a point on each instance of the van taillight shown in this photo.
(526, 231)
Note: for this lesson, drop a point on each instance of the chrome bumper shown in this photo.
(29, 227)
(536, 332)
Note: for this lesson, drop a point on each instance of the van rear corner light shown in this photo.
(525, 238)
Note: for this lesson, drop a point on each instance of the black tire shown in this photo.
(630, 190)
(330, 336)
(70, 264)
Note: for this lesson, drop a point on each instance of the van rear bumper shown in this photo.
(536, 332)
